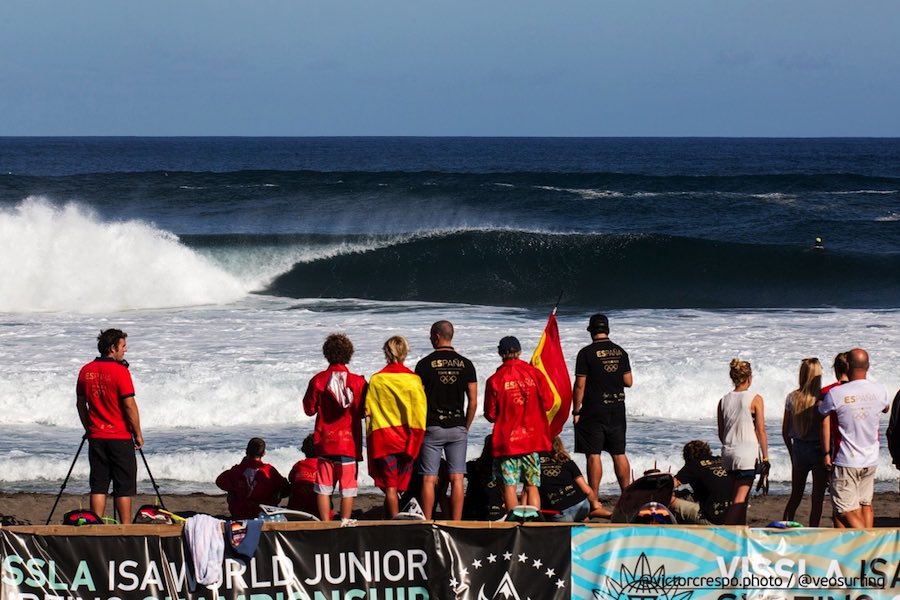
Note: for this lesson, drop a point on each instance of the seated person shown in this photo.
(252, 482)
(484, 495)
(565, 495)
(303, 479)
(711, 485)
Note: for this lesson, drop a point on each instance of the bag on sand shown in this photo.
(81, 517)
(654, 513)
(654, 486)
(156, 515)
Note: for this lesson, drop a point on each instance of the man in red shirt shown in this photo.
(337, 398)
(112, 424)
(252, 482)
(516, 400)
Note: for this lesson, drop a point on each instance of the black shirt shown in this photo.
(484, 494)
(558, 488)
(446, 375)
(712, 487)
(605, 365)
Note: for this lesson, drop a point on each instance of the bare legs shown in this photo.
(122, 503)
(621, 466)
(737, 513)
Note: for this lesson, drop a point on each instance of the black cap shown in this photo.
(598, 324)
(508, 345)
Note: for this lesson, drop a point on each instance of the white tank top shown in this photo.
(740, 448)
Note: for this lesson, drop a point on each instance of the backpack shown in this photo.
(80, 517)
(654, 486)
(156, 515)
(654, 513)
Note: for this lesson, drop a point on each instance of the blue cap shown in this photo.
(508, 345)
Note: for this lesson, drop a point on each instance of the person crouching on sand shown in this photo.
(395, 423)
(742, 431)
(516, 400)
(252, 482)
(337, 398)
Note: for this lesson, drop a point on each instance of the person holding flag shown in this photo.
(516, 401)
(602, 372)
(548, 358)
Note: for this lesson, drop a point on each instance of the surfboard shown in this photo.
(524, 513)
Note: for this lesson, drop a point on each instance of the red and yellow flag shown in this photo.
(548, 359)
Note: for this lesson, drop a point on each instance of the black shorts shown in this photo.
(594, 435)
(113, 460)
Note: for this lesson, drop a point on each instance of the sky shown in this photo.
(785, 68)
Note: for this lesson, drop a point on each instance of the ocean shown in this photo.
(228, 261)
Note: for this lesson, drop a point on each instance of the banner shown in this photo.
(730, 563)
(548, 358)
(516, 563)
(425, 561)
(381, 562)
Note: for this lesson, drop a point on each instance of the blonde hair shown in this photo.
(804, 398)
(396, 349)
(740, 371)
(558, 453)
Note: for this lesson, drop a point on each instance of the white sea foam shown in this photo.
(208, 378)
(893, 217)
(587, 194)
(63, 258)
(861, 192)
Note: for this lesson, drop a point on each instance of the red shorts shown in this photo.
(392, 471)
(340, 469)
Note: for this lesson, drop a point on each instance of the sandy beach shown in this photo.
(34, 508)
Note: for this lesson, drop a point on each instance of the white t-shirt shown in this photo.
(858, 406)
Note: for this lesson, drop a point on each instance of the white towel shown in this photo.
(337, 385)
(206, 540)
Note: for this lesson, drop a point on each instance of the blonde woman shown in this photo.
(742, 431)
(801, 429)
(395, 423)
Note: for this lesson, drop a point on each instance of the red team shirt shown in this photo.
(517, 398)
(105, 382)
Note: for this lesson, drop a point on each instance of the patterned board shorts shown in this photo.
(513, 469)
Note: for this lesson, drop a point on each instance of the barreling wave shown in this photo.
(516, 268)
(64, 258)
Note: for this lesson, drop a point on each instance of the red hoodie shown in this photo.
(249, 484)
(516, 401)
(338, 430)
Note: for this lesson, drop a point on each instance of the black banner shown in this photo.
(519, 563)
(377, 562)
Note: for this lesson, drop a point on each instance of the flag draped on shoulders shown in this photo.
(548, 358)
(396, 407)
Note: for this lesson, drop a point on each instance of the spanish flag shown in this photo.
(396, 410)
(548, 359)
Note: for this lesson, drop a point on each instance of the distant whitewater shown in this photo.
(229, 260)
(65, 257)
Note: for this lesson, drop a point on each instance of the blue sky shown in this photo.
(578, 68)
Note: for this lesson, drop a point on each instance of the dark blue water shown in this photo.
(622, 223)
